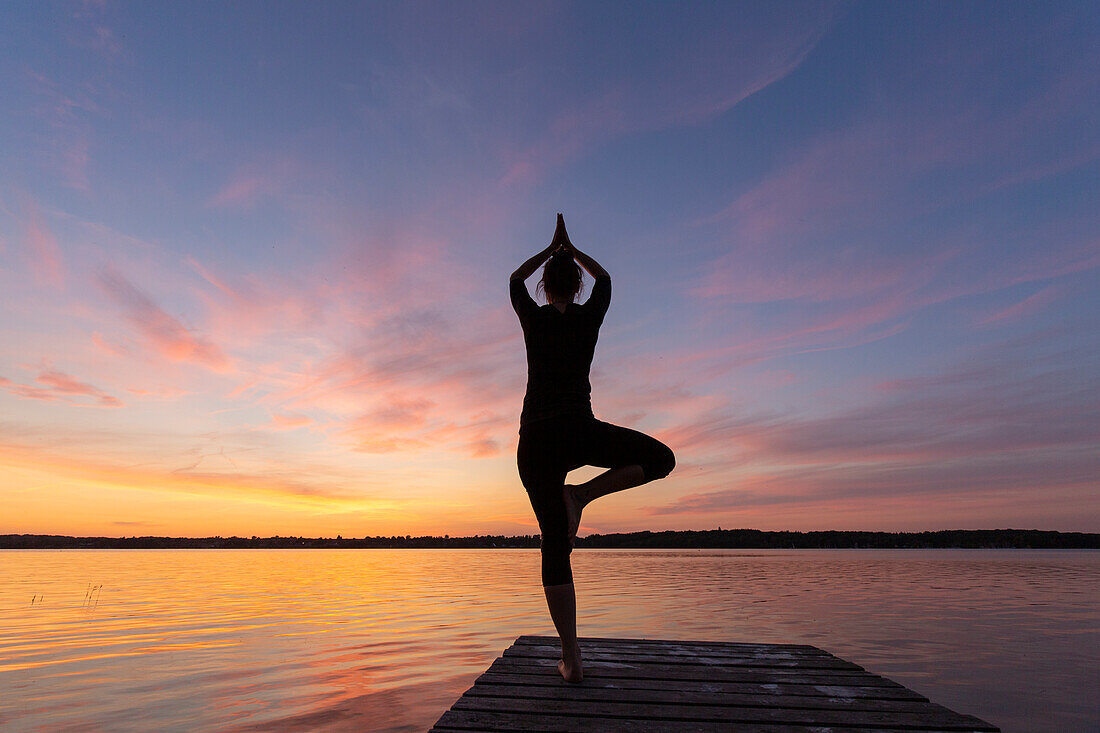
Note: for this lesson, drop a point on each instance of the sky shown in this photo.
(254, 261)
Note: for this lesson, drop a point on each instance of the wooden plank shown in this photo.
(587, 653)
(678, 649)
(583, 694)
(646, 670)
(715, 688)
(928, 720)
(532, 639)
(469, 720)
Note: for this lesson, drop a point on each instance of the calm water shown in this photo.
(359, 640)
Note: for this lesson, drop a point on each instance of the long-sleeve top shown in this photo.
(560, 346)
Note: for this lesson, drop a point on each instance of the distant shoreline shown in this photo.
(721, 539)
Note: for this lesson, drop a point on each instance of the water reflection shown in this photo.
(386, 639)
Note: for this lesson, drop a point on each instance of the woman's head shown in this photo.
(561, 278)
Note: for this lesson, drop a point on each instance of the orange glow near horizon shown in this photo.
(55, 494)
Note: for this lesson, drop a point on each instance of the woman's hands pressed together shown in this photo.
(561, 242)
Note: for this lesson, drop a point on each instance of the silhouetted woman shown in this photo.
(558, 431)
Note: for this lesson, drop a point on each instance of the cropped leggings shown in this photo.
(551, 448)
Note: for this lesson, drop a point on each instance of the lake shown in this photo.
(385, 640)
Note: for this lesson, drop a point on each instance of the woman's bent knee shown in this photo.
(662, 463)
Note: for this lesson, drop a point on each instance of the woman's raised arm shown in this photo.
(590, 264)
(528, 268)
(587, 262)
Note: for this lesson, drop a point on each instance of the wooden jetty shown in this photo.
(655, 685)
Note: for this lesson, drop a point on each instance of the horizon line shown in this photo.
(409, 537)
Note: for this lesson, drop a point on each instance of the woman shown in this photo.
(558, 431)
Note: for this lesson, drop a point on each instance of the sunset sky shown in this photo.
(254, 261)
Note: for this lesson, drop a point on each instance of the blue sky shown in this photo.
(255, 261)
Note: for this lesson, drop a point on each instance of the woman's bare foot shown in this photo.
(571, 670)
(574, 505)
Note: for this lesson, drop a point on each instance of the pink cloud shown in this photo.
(108, 347)
(239, 191)
(290, 421)
(73, 160)
(387, 443)
(45, 254)
(1029, 305)
(260, 180)
(400, 413)
(27, 391)
(60, 386)
(65, 114)
(161, 393)
(743, 341)
(484, 448)
(413, 402)
(162, 332)
(259, 304)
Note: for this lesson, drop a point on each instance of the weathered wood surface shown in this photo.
(653, 685)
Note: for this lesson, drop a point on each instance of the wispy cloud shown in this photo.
(1029, 305)
(681, 83)
(45, 256)
(290, 421)
(162, 332)
(56, 385)
(66, 113)
(256, 182)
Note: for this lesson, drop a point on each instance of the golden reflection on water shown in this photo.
(386, 639)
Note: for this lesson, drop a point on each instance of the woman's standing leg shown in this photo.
(543, 477)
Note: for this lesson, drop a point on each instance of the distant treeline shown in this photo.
(739, 539)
